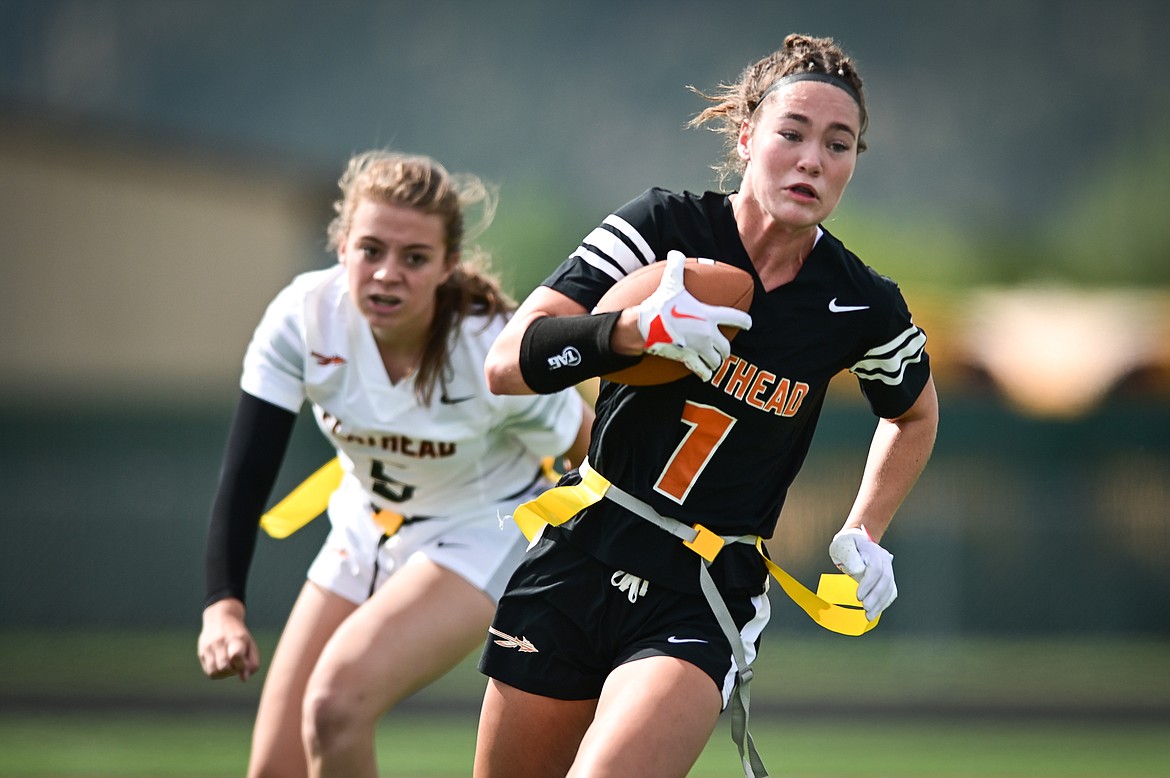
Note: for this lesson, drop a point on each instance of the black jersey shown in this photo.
(724, 452)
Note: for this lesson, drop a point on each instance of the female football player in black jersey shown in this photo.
(627, 629)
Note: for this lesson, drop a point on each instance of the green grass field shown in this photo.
(176, 744)
(81, 704)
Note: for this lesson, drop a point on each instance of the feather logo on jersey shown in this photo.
(324, 360)
(522, 644)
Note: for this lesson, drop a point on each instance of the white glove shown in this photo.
(676, 326)
(856, 554)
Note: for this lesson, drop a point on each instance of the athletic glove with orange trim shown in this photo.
(677, 326)
(857, 555)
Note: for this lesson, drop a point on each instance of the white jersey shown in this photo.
(467, 449)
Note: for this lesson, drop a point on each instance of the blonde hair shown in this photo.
(734, 104)
(422, 183)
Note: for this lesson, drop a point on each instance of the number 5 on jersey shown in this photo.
(387, 487)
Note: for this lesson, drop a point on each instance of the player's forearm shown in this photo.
(221, 610)
(552, 343)
(626, 338)
(502, 365)
(256, 443)
(897, 456)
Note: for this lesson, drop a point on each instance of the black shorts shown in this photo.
(563, 624)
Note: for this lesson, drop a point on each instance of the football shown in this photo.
(714, 283)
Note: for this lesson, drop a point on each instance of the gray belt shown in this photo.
(749, 756)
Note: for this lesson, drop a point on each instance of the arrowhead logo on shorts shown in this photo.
(522, 644)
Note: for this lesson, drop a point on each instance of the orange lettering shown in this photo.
(723, 367)
(798, 393)
(778, 399)
(741, 377)
(763, 380)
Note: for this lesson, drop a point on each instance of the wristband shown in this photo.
(557, 352)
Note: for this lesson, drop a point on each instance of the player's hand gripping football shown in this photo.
(857, 555)
(676, 326)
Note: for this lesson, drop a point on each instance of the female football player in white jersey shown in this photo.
(632, 644)
(388, 347)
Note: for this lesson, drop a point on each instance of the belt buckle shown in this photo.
(706, 543)
(389, 521)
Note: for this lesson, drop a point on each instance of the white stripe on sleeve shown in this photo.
(888, 362)
(601, 263)
(625, 228)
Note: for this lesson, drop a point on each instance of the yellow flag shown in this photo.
(304, 503)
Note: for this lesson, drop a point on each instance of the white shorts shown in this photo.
(483, 547)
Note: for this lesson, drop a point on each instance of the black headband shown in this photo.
(824, 78)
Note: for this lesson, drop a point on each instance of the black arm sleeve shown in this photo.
(562, 351)
(256, 444)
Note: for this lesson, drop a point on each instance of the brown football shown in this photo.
(714, 283)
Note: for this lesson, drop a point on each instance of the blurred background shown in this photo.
(168, 165)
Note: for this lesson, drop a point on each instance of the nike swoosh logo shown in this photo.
(673, 639)
(443, 398)
(835, 308)
(676, 314)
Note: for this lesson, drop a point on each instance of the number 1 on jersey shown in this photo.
(708, 428)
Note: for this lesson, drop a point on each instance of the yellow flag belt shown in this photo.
(310, 499)
(834, 606)
(304, 503)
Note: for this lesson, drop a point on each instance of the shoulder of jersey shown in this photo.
(333, 276)
(862, 274)
(476, 335)
(481, 329)
(316, 282)
(328, 285)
